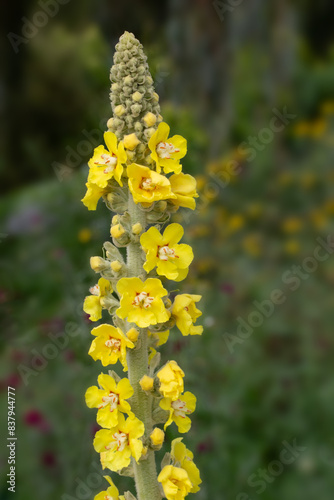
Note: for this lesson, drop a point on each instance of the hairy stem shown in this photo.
(145, 471)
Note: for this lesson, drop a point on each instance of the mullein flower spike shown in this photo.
(138, 175)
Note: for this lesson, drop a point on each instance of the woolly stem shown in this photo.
(145, 472)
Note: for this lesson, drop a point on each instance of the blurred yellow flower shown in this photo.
(184, 457)
(292, 247)
(148, 186)
(184, 188)
(318, 128)
(235, 222)
(178, 410)
(308, 179)
(171, 380)
(292, 225)
(118, 444)
(185, 312)
(163, 252)
(329, 206)
(92, 304)
(110, 345)
(319, 219)
(252, 245)
(175, 482)
(141, 301)
(110, 399)
(167, 152)
(84, 235)
(302, 129)
(107, 164)
(327, 107)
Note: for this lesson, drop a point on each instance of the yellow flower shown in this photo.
(178, 410)
(167, 152)
(147, 186)
(110, 493)
(162, 251)
(92, 304)
(185, 312)
(141, 301)
(184, 188)
(162, 337)
(110, 345)
(175, 482)
(118, 444)
(171, 380)
(185, 457)
(157, 436)
(110, 399)
(105, 164)
(146, 383)
(92, 195)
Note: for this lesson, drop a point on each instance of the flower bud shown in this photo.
(160, 206)
(119, 110)
(116, 266)
(146, 383)
(149, 132)
(98, 264)
(110, 123)
(149, 119)
(130, 155)
(133, 335)
(136, 109)
(137, 96)
(117, 231)
(128, 80)
(131, 141)
(157, 436)
(137, 228)
(155, 97)
(115, 220)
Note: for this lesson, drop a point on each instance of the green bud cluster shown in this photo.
(134, 102)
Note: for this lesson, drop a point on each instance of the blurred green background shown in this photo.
(223, 70)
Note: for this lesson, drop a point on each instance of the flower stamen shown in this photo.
(111, 400)
(143, 300)
(165, 253)
(165, 149)
(180, 408)
(147, 184)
